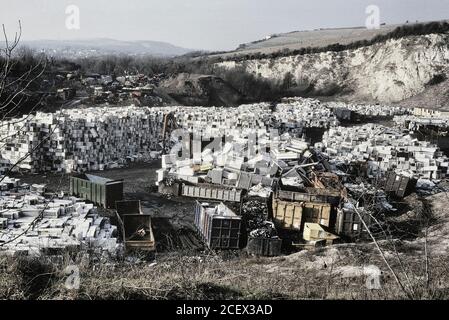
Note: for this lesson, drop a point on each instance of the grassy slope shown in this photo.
(329, 273)
(312, 38)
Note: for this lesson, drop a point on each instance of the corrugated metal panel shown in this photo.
(211, 193)
(317, 213)
(318, 195)
(100, 194)
(287, 215)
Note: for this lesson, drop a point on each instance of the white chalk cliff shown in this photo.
(384, 72)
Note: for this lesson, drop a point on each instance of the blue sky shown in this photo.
(204, 24)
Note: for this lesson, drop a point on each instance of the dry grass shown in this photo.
(335, 272)
(330, 273)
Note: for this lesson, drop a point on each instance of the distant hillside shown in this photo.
(319, 38)
(315, 38)
(96, 47)
(411, 69)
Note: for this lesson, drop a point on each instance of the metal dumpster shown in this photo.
(138, 232)
(213, 193)
(219, 227)
(311, 195)
(293, 215)
(101, 191)
(267, 247)
(128, 207)
(398, 185)
(349, 225)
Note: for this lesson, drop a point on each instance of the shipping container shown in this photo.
(398, 185)
(348, 223)
(293, 215)
(138, 232)
(219, 227)
(213, 193)
(101, 191)
(267, 247)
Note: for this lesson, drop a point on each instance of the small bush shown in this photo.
(437, 79)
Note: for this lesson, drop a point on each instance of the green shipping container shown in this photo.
(101, 191)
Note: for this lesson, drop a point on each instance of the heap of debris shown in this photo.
(307, 112)
(412, 122)
(305, 198)
(227, 166)
(368, 110)
(32, 223)
(298, 182)
(255, 212)
(384, 149)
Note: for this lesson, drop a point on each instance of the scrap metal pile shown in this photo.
(226, 166)
(307, 193)
(298, 181)
(32, 224)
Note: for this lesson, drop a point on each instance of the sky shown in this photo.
(203, 24)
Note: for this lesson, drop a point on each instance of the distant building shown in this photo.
(66, 93)
(423, 112)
